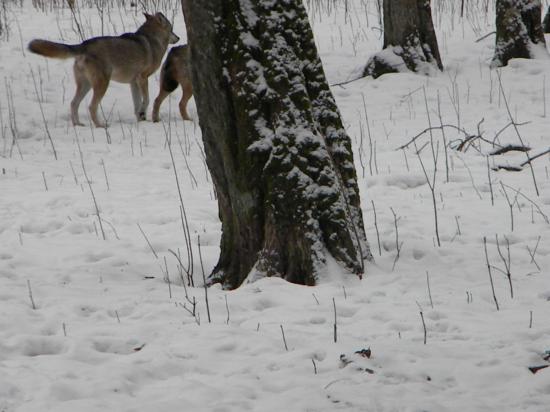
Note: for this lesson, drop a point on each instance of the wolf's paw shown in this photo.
(141, 116)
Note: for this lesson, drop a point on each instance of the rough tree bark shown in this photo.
(280, 159)
(546, 21)
(519, 31)
(410, 43)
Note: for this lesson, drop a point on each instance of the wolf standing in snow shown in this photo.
(175, 71)
(129, 58)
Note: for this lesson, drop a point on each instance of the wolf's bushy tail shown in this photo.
(51, 49)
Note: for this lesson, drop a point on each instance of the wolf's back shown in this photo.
(51, 49)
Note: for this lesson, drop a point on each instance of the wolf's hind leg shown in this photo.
(158, 101)
(82, 88)
(187, 93)
(100, 83)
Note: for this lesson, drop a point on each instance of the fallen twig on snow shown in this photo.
(509, 148)
(535, 369)
(519, 168)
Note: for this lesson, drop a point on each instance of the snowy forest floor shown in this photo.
(109, 333)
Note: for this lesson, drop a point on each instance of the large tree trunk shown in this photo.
(519, 31)
(410, 43)
(275, 145)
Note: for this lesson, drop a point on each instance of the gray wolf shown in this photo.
(175, 71)
(129, 58)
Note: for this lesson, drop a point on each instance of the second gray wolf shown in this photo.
(129, 58)
(175, 71)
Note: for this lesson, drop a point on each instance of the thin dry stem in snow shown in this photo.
(534, 252)
(89, 182)
(227, 309)
(335, 322)
(490, 274)
(148, 242)
(490, 181)
(432, 183)
(204, 280)
(105, 173)
(517, 130)
(511, 204)
(376, 227)
(507, 262)
(315, 297)
(398, 245)
(429, 289)
(183, 213)
(519, 193)
(46, 128)
(443, 135)
(283, 334)
(33, 305)
(166, 273)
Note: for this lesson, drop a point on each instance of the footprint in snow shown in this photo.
(41, 346)
(117, 346)
(264, 303)
(418, 254)
(317, 320)
(41, 228)
(96, 257)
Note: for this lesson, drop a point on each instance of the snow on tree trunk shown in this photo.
(410, 43)
(279, 156)
(519, 31)
(546, 21)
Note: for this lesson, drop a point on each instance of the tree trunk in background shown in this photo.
(546, 21)
(280, 159)
(519, 31)
(410, 43)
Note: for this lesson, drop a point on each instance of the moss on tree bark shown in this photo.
(519, 32)
(278, 153)
(546, 21)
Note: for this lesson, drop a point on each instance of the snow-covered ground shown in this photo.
(105, 333)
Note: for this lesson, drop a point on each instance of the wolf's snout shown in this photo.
(174, 38)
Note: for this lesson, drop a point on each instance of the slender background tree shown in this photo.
(410, 43)
(280, 159)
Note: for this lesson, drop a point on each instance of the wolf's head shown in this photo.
(160, 21)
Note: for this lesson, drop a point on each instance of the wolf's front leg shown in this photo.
(136, 98)
(144, 89)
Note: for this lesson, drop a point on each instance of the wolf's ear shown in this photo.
(147, 16)
(162, 18)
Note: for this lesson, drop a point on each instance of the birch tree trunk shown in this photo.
(410, 43)
(280, 159)
(519, 31)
